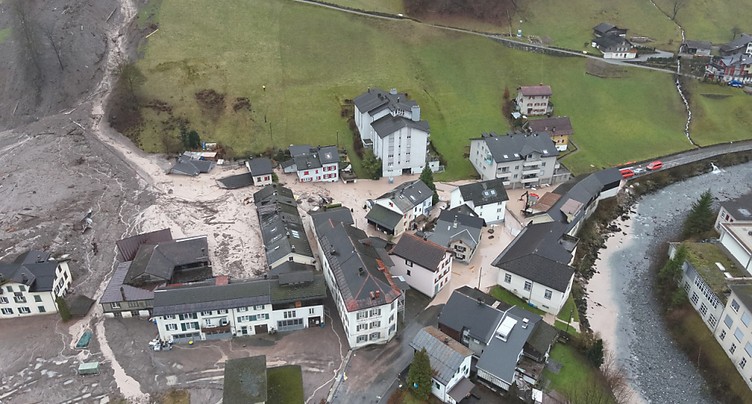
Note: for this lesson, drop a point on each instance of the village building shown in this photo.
(519, 160)
(282, 229)
(32, 283)
(534, 100)
(558, 128)
(313, 164)
(402, 208)
(459, 232)
(488, 199)
(425, 265)
(450, 363)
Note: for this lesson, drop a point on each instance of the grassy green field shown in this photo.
(285, 384)
(569, 307)
(711, 20)
(509, 298)
(384, 6)
(719, 113)
(4, 34)
(576, 371)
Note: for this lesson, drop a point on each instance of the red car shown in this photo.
(656, 165)
(626, 173)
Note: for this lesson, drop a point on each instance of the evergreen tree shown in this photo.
(427, 177)
(419, 375)
(371, 165)
(594, 353)
(700, 218)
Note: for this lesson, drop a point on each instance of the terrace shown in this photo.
(715, 267)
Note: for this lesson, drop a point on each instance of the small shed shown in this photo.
(88, 368)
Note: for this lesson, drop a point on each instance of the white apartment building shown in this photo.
(527, 159)
(31, 283)
(734, 333)
(534, 100)
(734, 210)
(389, 124)
(488, 199)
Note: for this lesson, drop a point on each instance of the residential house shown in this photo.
(191, 165)
(735, 334)
(460, 232)
(390, 125)
(357, 270)
(534, 100)
(695, 48)
(313, 164)
(450, 363)
(31, 284)
(425, 265)
(606, 29)
(615, 47)
(558, 128)
(736, 238)
(282, 229)
(261, 170)
(734, 210)
(518, 159)
(536, 265)
(740, 45)
(488, 199)
(224, 308)
(401, 208)
(737, 67)
(509, 342)
(148, 261)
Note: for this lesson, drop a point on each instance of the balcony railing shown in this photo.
(533, 171)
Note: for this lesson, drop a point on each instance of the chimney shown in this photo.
(39, 258)
(454, 225)
(480, 301)
(292, 248)
(446, 340)
(415, 113)
(24, 279)
(122, 293)
(361, 272)
(378, 294)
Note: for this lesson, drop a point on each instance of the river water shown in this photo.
(622, 307)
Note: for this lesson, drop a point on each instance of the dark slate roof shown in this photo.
(513, 147)
(560, 125)
(299, 286)
(610, 42)
(543, 336)
(697, 44)
(466, 211)
(260, 166)
(306, 162)
(740, 208)
(532, 91)
(33, 269)
(464, 312)
(236, 181)
(744, 292)
(484, 192)
(452, 226)
(283, 234)
(273, 192)
(383, 217)
(376, 99)
(112, 292)
(500, 358)
(737, 43)
(128, 247)
(476, 294)
(160, 260)
(446, 355)
(422, 252)
(305, 156)
(299, 149)
(188, 166)
(328, 154)
(603, 28)
(205, 297)
(290, 267)
(339, 214)
(245, 380)
(408, 195)
(359, 268)
(388, 124)
(540, 270)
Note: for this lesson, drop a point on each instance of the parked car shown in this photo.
(626, 173)
(656, 165)
(736, 84)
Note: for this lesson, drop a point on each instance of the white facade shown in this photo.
(533, 104)
(236, 321)
(441, 391)
(262, 180)
(535, 170)
(734, 334)
(424, 280)
(325, 173)
(491, 213)
(373, 325)
(737, 239)
(620, 54)
(702, 298)
(294, 257)
(17, 301)
(538, 295)
(409, 216)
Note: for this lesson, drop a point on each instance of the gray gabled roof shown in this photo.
(260, 166)
(422, 252)
(737, 43)
(515, 147)
(611, 42)
(388, 124)
(272, 193)
(338, 214)
(534, 91)
(740, 208)
(463, 312)
(114, 293)
(206, 297)
(383, 217)
(328, 154)
(542, 338)
(540, 270)
(189, 166)
(360, 268)
(160, 260)
(236, 181)
(500, 358)
(408, 195)
(691, 44)
(307, 157)
(283, 234)
(446, 355)
(484, 192)
(452, 226)
(33, 269)
(378, 99)
(245, 380)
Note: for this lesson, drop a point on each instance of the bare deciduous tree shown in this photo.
(676, 6)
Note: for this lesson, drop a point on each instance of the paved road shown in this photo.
(697, 154)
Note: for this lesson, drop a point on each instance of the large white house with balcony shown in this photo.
(31, 283)
(401, 208)
(357, 270)
(734, 333)
(221, 308)
(389, 124)
(425, 265)
(527, 159)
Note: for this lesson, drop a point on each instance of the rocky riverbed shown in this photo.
(659, 371)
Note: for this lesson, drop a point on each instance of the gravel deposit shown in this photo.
(660, 371)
